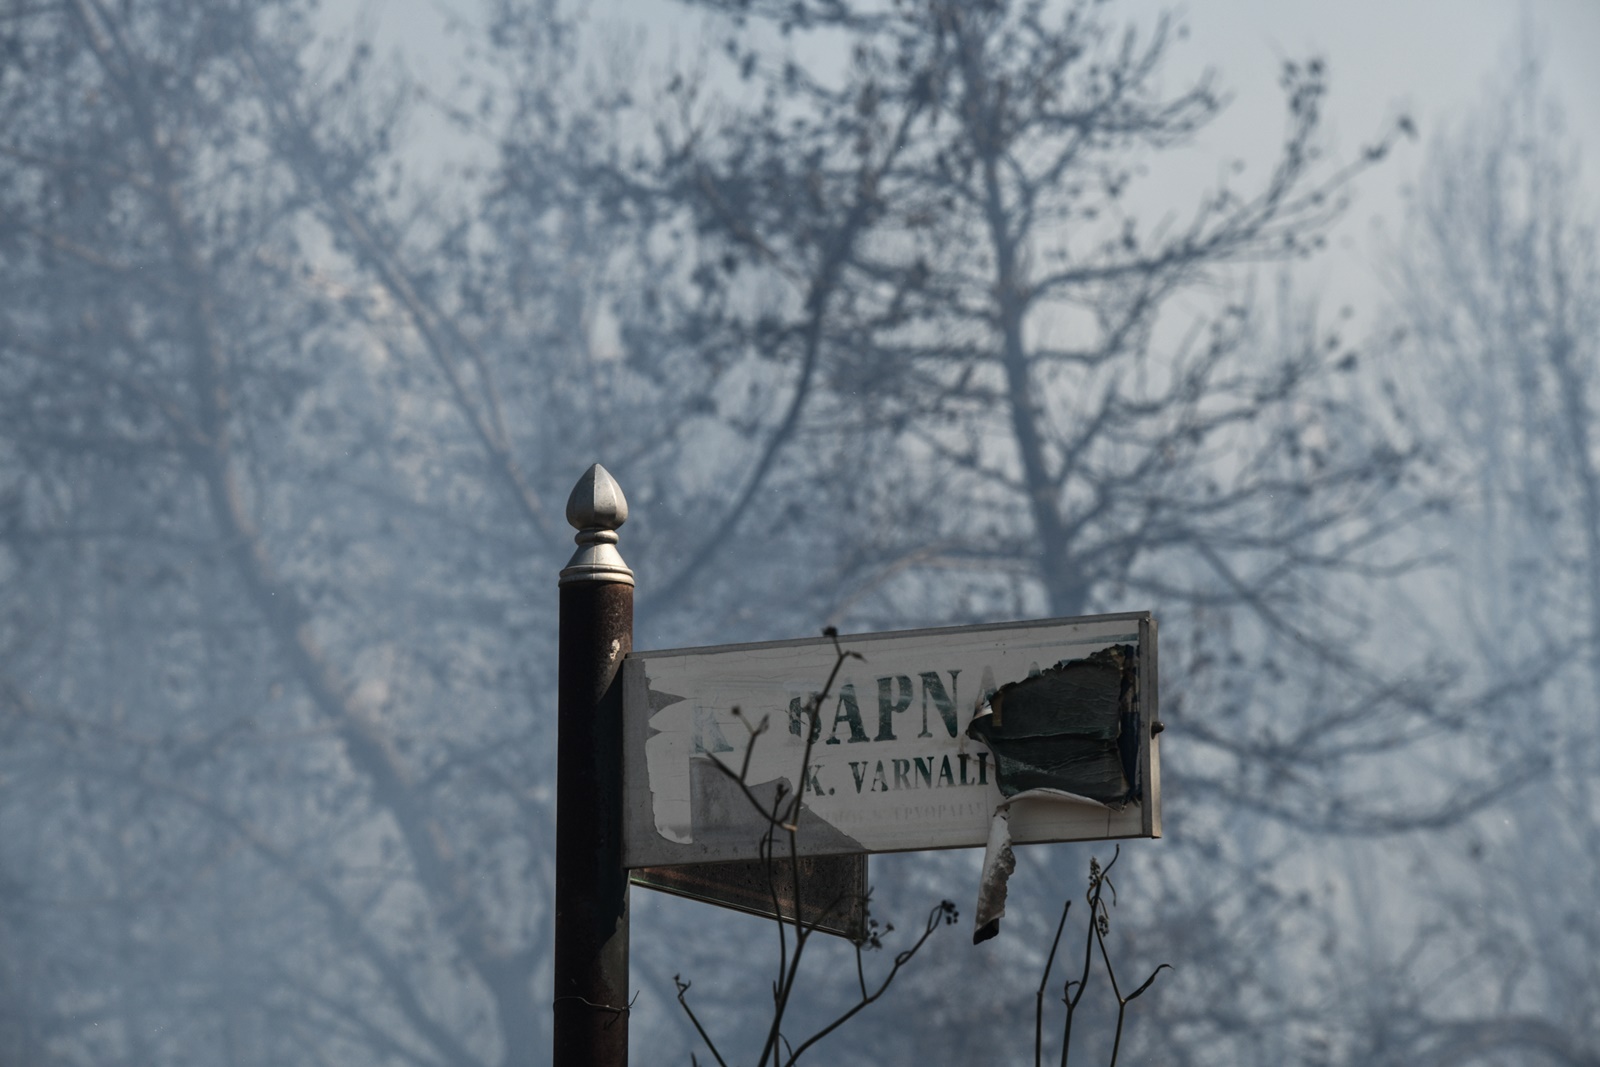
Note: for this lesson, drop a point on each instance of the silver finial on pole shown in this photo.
(595, 509)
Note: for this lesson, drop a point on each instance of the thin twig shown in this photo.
(1038, 1007)
(683, 989)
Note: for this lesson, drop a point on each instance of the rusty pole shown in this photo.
(591, 937)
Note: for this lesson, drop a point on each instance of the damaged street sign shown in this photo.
(929, 740)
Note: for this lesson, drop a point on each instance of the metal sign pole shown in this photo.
(591, 935)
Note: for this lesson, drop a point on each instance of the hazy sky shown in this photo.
(1431, 59)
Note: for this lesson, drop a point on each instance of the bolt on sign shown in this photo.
(918, 745)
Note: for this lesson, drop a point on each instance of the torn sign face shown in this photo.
(1067, 734)
(1073, 729)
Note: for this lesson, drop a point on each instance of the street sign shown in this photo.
(916, 746)
(833, 889)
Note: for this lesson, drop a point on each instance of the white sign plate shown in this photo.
(892, 767)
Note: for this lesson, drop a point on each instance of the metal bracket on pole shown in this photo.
(591, 936)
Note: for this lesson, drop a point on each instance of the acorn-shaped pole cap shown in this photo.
(595, 509)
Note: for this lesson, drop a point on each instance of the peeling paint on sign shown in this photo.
(998, 865)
